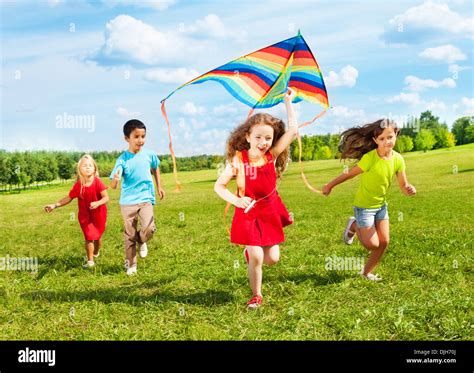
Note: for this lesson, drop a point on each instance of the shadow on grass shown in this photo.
(72, 263)
(127, 295)
(333, 277)
(466, 170)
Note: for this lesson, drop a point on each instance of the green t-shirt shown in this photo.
(376, 178)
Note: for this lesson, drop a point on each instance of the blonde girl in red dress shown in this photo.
(91, 196)
(257, 153)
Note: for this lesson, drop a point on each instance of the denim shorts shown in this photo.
(366, 218)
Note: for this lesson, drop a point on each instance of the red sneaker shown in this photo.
(246, 256)
(255, 302)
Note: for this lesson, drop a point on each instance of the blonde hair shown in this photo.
(238, 142)
(80, 176)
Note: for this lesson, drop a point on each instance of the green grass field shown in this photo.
(193, 285)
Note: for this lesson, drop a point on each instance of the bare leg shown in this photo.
(368, 237)
(383, 233)
(271, 254)
(255, 268)
(89, 245)
(97, 246)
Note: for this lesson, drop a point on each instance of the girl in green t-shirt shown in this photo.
(372, 145)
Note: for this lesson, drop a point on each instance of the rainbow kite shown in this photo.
(262, 78)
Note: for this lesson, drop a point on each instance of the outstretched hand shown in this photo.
(326, 190)
(410, 189)
(49, 208)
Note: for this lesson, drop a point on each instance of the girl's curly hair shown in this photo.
(357, 141)
(237, 139)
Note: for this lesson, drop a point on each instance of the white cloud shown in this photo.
(180, 75)
(468, 104)
(127, 114)
(413, 99)
(222, 110)
(435, 16)
(344, 112)
(435, 105)
(448, 53)
(454, 68)
(190, 108)
(406, 98)
(347, 77)
(417, 85)
(154, 4)
(54, 3)
(213, 27)
(130, 40)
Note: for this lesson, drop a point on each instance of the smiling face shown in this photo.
(260, 139)
(386, 140)
(136, 140)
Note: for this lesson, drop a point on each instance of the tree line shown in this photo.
(35, 168)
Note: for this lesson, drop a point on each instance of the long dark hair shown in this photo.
(238, 142)
(357, 141)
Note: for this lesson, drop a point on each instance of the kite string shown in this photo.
(175, 171)
(300, 148)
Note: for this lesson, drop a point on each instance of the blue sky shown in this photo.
(74, 71)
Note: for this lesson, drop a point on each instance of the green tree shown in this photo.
(469, 134)
(429, 121)
(324, 152)
(404, 144)
(65, 166)
(425, 140)
(460, 126)
(445, 139)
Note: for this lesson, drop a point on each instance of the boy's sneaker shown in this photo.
(126, 264)
(132, 271)
(246, 256)
(255, 302)
(370, 276)
(143, 250)
(96, 255)
(346, 236)
(88, 264)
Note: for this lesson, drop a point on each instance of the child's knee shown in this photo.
(271, 260)
(383, 244)
(255, 256)
(149, 231)
(372, 245)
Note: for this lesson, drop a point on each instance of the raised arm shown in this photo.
(405, 187)
(220, 187)
(354, 171)
(116, 179)
(290, 134)
(61, 202)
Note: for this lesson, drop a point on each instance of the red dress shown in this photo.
(263, 224)
(92, 221)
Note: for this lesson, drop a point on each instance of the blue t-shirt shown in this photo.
(137, 182)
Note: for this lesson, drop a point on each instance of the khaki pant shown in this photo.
(132, 236)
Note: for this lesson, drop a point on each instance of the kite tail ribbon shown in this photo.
(175, 171)
(300, 148)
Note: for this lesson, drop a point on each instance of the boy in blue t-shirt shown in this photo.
(138, 194)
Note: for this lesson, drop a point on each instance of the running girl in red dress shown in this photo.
(257, 153)
(91, 196)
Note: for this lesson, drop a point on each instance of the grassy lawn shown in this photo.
(193, 284)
